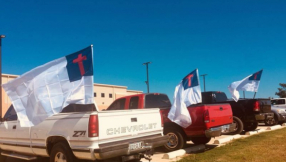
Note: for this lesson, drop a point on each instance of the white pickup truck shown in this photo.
(81, 132)
(279, 102)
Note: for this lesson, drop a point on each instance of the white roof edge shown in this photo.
(109, 85)
(10, 75)
(134, 91)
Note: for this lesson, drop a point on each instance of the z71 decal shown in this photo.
(79, 134)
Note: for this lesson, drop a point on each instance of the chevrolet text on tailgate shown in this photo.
(81, 132)
(208, 120)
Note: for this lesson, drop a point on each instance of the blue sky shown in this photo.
(228, 40)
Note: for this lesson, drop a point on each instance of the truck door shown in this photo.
(8, 140)
(16, 136)
(23, 139)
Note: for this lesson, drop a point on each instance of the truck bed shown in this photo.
(219, 114)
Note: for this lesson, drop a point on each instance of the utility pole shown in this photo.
(147, 82)
(203, 75)
(1, 102)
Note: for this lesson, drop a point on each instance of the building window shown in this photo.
(110, 95)
(94, 94)
(102, 95)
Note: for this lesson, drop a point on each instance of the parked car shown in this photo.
(81, 132)
(208, 120)
(246, 112)
(279, 114)
(279, 102)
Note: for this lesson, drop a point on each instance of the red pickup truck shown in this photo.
(208, 120)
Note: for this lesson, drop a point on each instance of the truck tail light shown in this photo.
(162, 119)
(93, 126)
(207, 116)
(256, 106)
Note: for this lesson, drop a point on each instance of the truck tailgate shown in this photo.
(265, 105)
(219, 114)
(128, 124)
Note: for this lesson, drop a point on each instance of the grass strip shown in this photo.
(263, 147)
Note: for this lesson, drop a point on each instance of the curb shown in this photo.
(237, 136)
(251, 132)
(182, 152)
(261, 130)
(227, 139)
(274, 127)
(223, 140)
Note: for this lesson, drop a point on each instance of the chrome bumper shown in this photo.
(121, 149)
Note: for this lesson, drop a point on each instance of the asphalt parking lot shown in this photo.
(159, 153)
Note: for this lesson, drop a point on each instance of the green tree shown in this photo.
(282, 90)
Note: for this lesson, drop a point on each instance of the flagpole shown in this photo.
(147, 82)
(1, 102)
(244, 94)
(254, 95)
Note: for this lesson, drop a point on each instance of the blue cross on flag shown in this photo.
(186, 93)
(79, 64)
(256, 76)
(47, 89)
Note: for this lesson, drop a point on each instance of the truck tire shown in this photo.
(250, 126)
(272, 121)
(239, 126)
(62, 152)
(200, 140)
(176, 140)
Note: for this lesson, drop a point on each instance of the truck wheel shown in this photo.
(272, 121)
(61, 152)
(250, 126)
(176, 139)
(200, 140)
(239, 125)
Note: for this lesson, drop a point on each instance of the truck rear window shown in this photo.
(157, 101)
(219, 97)
(79, 108)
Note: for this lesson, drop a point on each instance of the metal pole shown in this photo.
(147, 79)
(1, 36)
(147, 82)
(203, 75)
(244, 94)
(254, 95)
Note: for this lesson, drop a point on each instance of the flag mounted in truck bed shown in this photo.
(187, 92)
(47, 89)
(250, 83)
